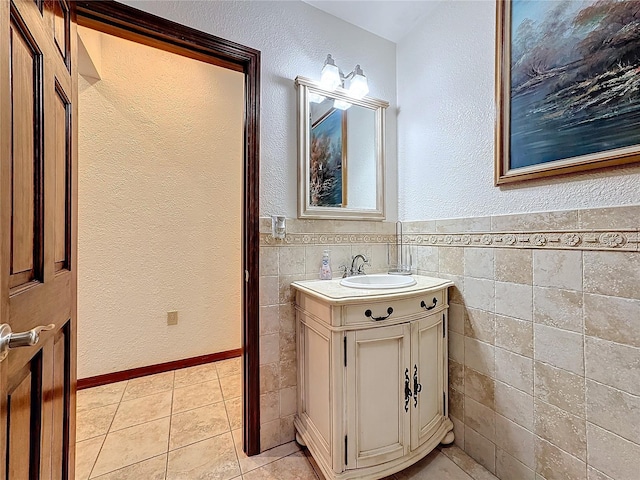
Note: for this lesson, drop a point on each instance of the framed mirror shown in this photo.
(340, 154)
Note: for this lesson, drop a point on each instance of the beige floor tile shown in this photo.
(209, 459)
(231, 386)
(86, 455)
(132, 445)
(197, 374)
(100, 396)
(468, 464)
(94, 422)
(293, 467)
(234, 412)
(232, 366)
(143, 386)
(433, 466)
(251, 463)
(153, 469)
(198, 395)
(142, 410)
(198, 424)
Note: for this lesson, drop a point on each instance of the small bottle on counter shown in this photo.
(325, 267)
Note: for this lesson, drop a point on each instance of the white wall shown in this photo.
(446, 126)
(294, 39)
(160, 179)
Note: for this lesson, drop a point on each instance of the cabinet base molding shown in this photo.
(444, 434)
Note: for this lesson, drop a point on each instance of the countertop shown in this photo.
(331, 291)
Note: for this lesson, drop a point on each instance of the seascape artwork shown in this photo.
(574, 79)
(327, 160)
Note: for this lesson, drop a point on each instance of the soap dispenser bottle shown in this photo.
(325, 267)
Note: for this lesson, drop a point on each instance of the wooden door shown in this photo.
(378, 414)
(38, 212)
(427, 377)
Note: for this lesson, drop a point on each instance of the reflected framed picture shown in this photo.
(328, 160)
(568, 87)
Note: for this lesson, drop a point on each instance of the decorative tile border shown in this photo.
(301, 239)
(619, 240)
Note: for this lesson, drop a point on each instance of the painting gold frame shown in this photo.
(504, 174)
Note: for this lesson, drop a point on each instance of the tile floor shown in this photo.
(185, 425)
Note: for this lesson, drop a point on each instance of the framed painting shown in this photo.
(568, 86)
(328, 160)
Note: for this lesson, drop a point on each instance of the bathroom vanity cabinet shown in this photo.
(372, 375)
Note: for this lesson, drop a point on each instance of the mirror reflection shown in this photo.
(342, 142)
(341, 154)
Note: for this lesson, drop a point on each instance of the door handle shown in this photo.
(8, 339)
(407, 390)
(417, 387)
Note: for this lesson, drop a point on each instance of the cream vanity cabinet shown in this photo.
(372, 375)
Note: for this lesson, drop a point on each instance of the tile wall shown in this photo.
(298, 257)
(544, 339)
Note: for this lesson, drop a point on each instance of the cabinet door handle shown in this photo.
(407, 390)
(368, 313)
(417, 387)
(430, 307)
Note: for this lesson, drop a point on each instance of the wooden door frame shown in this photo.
(133, 24)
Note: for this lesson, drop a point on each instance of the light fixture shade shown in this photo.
(330, 77)
(341, 104)
(358, 87)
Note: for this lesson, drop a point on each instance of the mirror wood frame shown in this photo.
(306, 86)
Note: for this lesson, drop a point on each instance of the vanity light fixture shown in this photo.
(358, 87)
(332, 78)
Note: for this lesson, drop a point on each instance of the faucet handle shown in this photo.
(345, 270)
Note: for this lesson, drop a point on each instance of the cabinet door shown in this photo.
(378, 425)
(427, 372)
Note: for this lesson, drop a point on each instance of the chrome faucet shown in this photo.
(348, 272)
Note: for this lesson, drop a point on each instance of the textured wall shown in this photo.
(155, 164)
(294, 39)
(544, 339)
(446, 127)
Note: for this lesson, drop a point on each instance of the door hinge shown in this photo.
(444, 326)
(345, 350)
(346, 451)
(246, 275)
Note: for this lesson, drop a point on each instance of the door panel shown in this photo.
(22, 463)
(62, 176)
(38, 225)
(60, 399)
(60, 26)
(26, 77)
(376, 394)
(427, 367)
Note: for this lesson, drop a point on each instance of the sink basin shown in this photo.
(378, 281)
